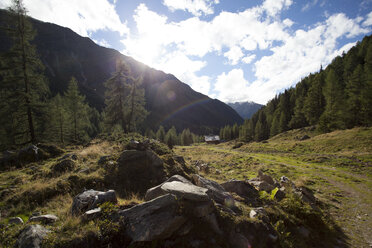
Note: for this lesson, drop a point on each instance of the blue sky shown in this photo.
(233, 50)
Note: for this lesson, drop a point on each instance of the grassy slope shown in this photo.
(337, 166)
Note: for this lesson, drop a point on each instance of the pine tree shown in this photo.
(160, 134)
(354, 89)
(116, 97)
(259, 132)
(314, 101)
(235, 131)
(23, 85)
(136, 102)
(186, 137)
(171, 137)
(57, 127)
(77, 110)
(367, 90)
(274, 130)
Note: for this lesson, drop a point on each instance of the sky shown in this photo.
(232, 50)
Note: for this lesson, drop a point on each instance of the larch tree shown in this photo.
(23, 85)
(77, 110)
(136, 102)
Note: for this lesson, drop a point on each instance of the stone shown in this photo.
(280, 194)
(51, 150)
(256, 212)
(156, 191)
(185, 191)
(238, 240)
(32, 236)
(261, 185)
(242, 189)
(305, 137)
(104, 159)
(92, 214)
(266, 178)
(284, 179)
(215, 191)
(305, 194)
(63, 166)
(90, 199)
(152, 220)
(28, 154)
(15, 221)
(137, 171)
(45, 219)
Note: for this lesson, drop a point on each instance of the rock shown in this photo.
(256, 212)
(153, 220)
(215, 191)
(28, 154)
(305, 194)
(137, 171)
(104, 159)
(156, 191)
(261, 185)
(305, 137)
(266, 178)
(185, 191)
(280, 194)
(303, 231)
(45, 219)
(49, 150)
(284, 180)
(90, 199)
(15, 221)
(32, 236)
(139, 146)
(238, 240)
(92, 214)
(63, 166)
(243, 189)
(237, 145)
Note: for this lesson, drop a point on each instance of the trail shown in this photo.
(348, 194)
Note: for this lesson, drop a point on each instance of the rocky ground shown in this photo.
(124, 193)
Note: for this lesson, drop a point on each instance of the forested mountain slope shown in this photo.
(169, 101)
(337, 97)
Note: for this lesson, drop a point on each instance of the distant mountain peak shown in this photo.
(245, 109)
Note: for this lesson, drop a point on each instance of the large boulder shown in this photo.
(261, 185)
(215, 191)
(242, 189)
(63, 166)
(32, 236)
(185, 191)
(157, 191)
(153, 220)
(15, 221)
(136, 171)
(91, 199)
(28, 154)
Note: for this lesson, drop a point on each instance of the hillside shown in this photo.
(245, 109)
(169, 101)
(336, 166)
(337, 97)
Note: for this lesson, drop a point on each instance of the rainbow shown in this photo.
(183, 108)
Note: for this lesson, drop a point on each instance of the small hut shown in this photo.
(212, 139)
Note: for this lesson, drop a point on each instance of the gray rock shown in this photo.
(256, 212)
(45, 219)
(284, 179)
(215, 191)
(63, 166)
(266, 178)
(32, 236)
(185, 191)
(92, 214)
(280, 194)
(157, 191)
(261, 185)
(153, 220)
(305, 194)
(28, 154)
(243, 189)
(90, 199)
(15, 221)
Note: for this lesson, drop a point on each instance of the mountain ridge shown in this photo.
(169, 101)
(245, 109)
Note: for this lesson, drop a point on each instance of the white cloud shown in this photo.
(368, 21)
(234, 55)
(102, 42)
(195, 7)
(309, 5)
(249, 59)
(232, 87)
(274, 7)
(82, 16)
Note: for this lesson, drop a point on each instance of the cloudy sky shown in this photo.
(233, 50)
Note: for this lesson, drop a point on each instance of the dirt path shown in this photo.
(348, 194)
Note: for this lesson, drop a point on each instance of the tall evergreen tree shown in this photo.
(171, 137)
(57, 121)
(160, 134)
(77, 110)
(136, 101)
(314, 101)
(354, 89)
(116, 96)
(23, 85)
(367, 91)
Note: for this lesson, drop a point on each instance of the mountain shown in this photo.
(245, 109)
(169, 101)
